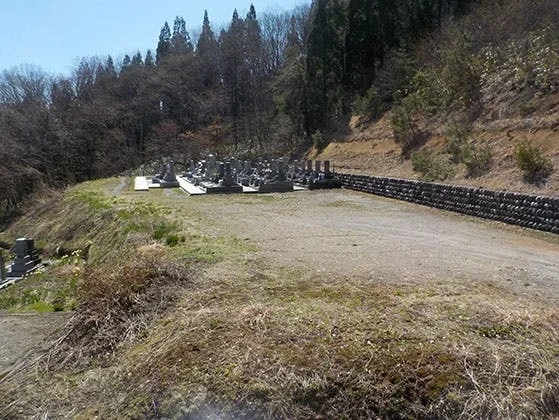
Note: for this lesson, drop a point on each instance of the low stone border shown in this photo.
(530, 211)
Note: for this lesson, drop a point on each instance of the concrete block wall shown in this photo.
(534, 212)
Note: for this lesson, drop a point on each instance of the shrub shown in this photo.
(477, 160)
(172, 239)
(318, 141)
(461, 75)
(163, 229)
(530, 160)
(369, 104)
(462, 150)
(431, 167)
(117, 303)
(404, 126)
(458, 133)
(430, 90)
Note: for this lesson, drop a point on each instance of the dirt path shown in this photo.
(353, 235)
(19, 333)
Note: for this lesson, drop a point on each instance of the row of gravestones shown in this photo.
(535, 212)
(268, 176)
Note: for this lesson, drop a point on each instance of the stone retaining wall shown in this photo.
(535, 212)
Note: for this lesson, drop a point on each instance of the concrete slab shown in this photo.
(141, 183)
(191, 189)
(249, 189)
(9, 282)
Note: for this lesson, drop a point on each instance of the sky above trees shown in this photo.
(56, 34)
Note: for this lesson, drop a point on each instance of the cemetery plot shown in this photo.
(210, 176)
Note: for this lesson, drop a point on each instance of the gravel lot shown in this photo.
(347, 234)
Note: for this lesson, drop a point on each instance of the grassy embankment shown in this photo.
(175, 318)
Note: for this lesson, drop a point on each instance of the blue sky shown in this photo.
(55, 34)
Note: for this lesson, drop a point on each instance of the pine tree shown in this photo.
(253, 81)
(148, 62)
(361, 44)
(110, 66)
(126, 62)
(289, 85)
(325, 64)
(207, 52)
(137, 60)
(180, 41)
(164, 44)
(232, 54)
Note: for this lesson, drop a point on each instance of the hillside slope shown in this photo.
(370, 149)
(476, 89)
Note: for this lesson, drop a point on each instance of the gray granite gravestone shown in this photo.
(226, 185)
(327, 168)
(317, 165)
(27, 258)
(309, 166)
(281, 175)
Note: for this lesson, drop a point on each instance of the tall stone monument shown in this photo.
(27, 258)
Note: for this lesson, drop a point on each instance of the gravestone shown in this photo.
(170, 175)
(27, 258)
(226, 185)
(244, 176)
(227, 179)
(309, 166)
(247, 168)
(169, 178)
(324, 180)
(238, 166)
(211, 169)
(327, 168)
(281, 176)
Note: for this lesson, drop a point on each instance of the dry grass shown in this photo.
(116, 305)
(278, 345)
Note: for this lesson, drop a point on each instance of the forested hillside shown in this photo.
(272, 84)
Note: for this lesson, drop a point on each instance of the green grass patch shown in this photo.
(53, 289)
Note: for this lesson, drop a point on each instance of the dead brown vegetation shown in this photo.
(116, 304)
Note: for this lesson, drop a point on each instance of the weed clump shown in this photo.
(115, 304)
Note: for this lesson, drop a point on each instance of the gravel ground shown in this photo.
(353, 235)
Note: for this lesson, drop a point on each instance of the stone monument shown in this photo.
(27, 258)
(167, 178)
(227, 183)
